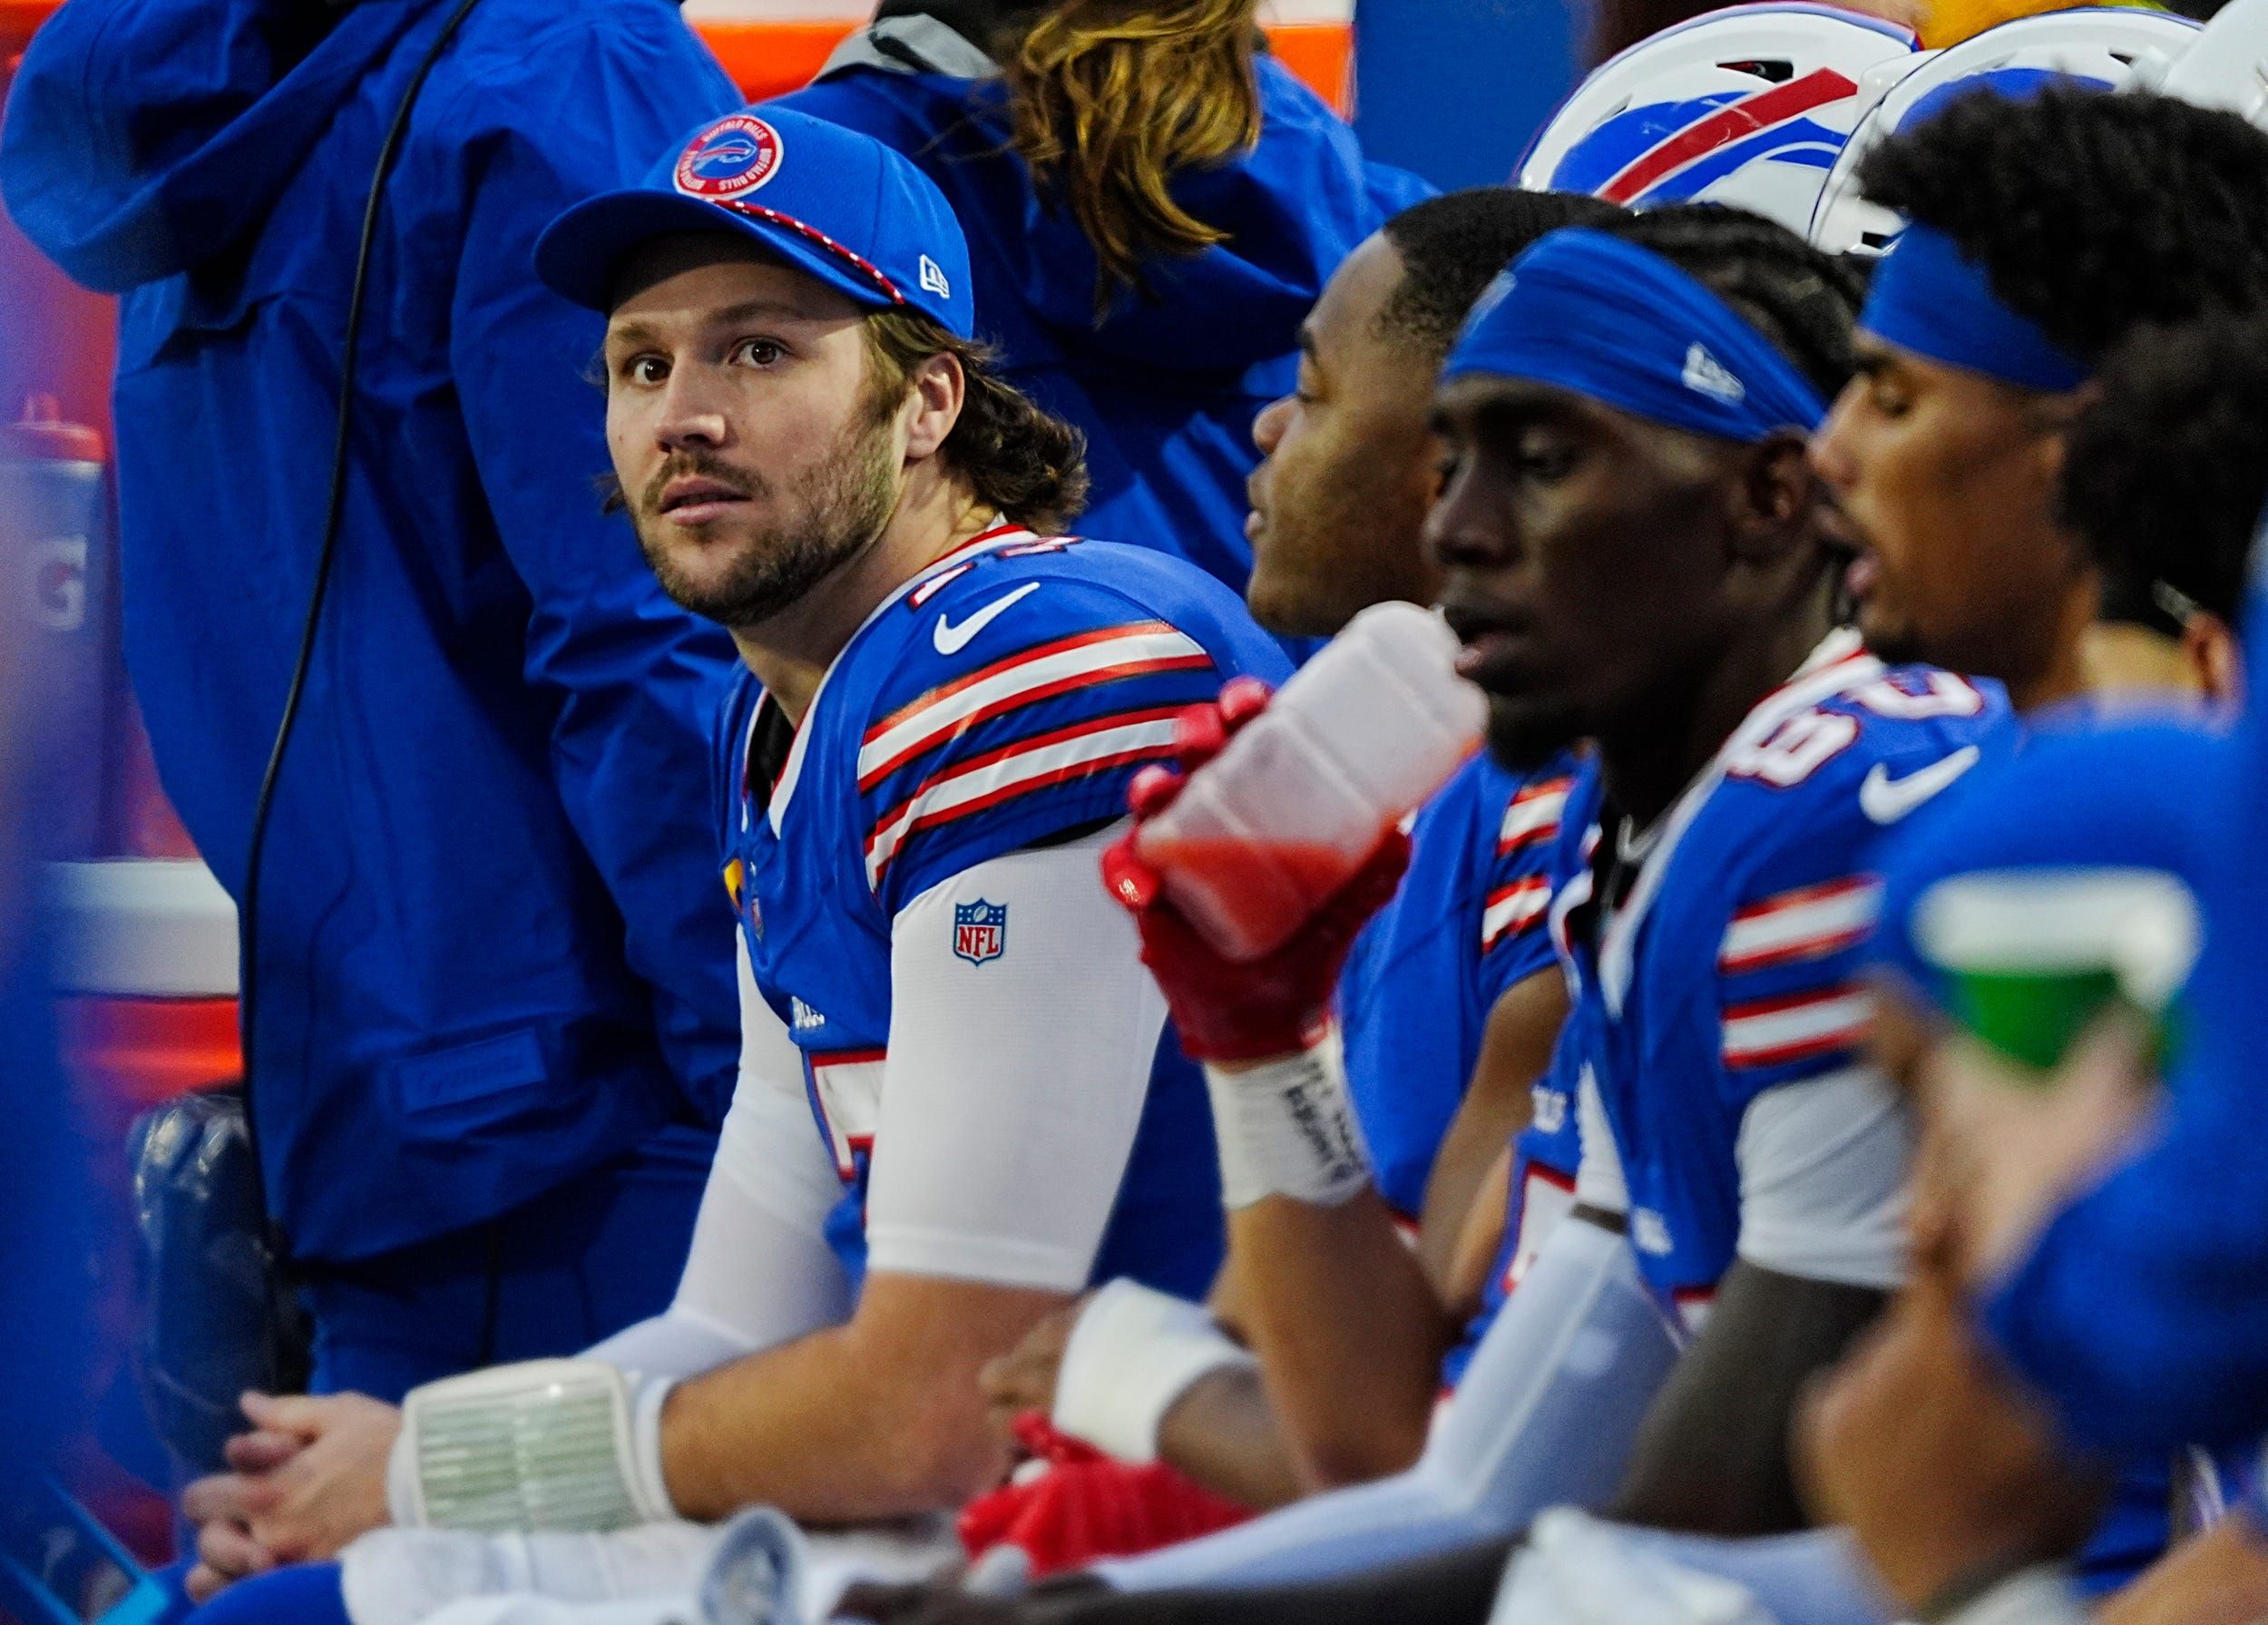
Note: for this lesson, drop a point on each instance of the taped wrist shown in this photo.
(1133, 1352)
(1288, 1127)
(571, 1445)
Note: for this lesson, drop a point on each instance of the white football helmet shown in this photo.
(2226, 65)
(2100, 46)
(1748, 105)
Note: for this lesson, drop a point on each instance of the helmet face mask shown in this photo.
(2100, 46)
(1747, 106)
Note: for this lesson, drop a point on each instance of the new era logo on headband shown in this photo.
(1706, 374)
(733, 156)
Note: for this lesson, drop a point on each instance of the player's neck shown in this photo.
(2060, 671)
(1649, 765)
(2136, 664)
(790, 652)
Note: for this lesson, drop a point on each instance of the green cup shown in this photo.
(2032, 957)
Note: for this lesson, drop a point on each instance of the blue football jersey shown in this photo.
(1730, 960)
(1467, 923)
(1002, 700)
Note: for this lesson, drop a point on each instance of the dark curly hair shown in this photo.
(1451, 247)
(1802, 299)
(1021, 461)
(2090, 212)
(2167, 470)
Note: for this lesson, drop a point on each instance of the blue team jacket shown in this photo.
(1165, 388)
(493, 951)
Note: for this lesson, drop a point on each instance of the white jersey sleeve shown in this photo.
(759, 1271)
(1824, 1169)
(1014, 1085)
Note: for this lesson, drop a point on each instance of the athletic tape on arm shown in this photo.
(1133, 1352)
(543, 1444)
(1288, 1127)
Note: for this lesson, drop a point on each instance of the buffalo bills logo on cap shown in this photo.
(734, 155)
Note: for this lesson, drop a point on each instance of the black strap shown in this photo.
(326, 552)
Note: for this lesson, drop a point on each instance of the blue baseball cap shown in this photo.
(832, 202)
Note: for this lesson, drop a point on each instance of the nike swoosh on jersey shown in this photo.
(952, 640)
(1886, 800)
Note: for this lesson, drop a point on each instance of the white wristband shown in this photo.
(1286, 1128)
(545, 1444)
(1133, 1352)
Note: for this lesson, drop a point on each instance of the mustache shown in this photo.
(700, 465)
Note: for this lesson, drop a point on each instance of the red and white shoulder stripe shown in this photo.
(1094, 746)
(1081, 661)
(1798, 1027)
(1809, 922)
(1533, 815)
(1514, 908)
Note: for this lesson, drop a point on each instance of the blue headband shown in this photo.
(1929, 299)
(1619, 324)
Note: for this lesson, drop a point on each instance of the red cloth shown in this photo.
(1083, 1505)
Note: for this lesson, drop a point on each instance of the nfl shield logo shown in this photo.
(980, 930)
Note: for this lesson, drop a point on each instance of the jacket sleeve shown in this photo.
(635, 682)
(2140, 1313)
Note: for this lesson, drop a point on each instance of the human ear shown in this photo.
(2215, 659)
(939, 387)
(1775, 492)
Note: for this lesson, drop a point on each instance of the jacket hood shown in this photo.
(1294, 207)
(145, 137)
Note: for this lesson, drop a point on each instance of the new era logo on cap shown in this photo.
(734, 156)
(933, 276)
(1706, 375)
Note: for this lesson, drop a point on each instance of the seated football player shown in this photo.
(2042, 232)
(1452, 981)
(2166, 479)
(1637, 552)
(959, 1102)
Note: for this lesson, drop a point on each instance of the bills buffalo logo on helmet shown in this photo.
(735, 154)
(980, 931)
(1668, 151)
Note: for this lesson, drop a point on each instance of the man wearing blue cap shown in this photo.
(959, 1102)
(2041, 230)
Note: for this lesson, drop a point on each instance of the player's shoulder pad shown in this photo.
(1010, 695)
(1872, 752)
(1796, 829)
(1068, 607)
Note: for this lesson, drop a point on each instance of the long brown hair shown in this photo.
(1110, 99)
(1021, 461)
